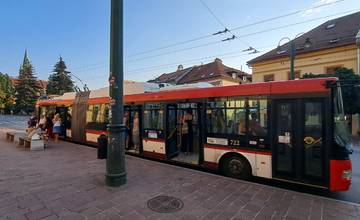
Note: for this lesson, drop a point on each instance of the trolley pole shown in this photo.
(115, 163)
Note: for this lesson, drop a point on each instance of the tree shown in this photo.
(60, 80)
(351, 94)
(26, 89)
(6, 93)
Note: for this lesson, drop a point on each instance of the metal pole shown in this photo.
(115, 163)
(292, 58)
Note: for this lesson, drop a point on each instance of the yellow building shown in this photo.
(333, 45)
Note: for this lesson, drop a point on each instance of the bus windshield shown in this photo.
(341, 131)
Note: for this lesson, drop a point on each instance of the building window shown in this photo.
(332, 69)
(269, 78)
(296, 75)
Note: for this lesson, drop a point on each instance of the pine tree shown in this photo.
(7, 93)
(60, 80)
(26, 89)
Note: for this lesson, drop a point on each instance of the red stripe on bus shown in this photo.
(92, 143)
(237, 150)
(154, 155)
(99, 100)
(153, 140)
(99, 132)
(210, 165)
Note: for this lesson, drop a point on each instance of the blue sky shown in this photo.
(79, 32)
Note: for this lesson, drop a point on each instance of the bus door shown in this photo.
(63, 112)
(299, 141)
(133, 122)
(188, 133)
(171, 131)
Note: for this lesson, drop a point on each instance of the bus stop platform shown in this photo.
(66, 181)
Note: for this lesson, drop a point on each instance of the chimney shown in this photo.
(218, 60)
(180, 67)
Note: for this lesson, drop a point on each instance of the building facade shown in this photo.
(333, 44)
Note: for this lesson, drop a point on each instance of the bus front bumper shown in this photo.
(340, 175)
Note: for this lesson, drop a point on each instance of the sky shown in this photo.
(79, 31)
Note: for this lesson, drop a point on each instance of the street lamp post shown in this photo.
(115, 163)
(292, 53)
(358, 52)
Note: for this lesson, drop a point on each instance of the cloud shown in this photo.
(317, 7)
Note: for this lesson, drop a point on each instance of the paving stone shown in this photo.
(38, 214)
(67, 181)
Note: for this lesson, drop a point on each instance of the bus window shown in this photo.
(240, 118)
(68, 119)
(154, 120)
(226, 116)
(258, 117)
(97, 117)
(341, 131)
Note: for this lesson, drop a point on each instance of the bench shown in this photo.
(13, 136)
(10, 136)
(33, 143)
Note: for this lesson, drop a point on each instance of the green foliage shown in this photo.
(60, 80)
(26, 89)
(351, 94)
(7, 93)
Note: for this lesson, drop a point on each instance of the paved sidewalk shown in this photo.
(66, 181)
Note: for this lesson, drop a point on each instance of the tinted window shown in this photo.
(154, 116)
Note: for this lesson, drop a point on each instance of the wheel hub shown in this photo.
(236, 166)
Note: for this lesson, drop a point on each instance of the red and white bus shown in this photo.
(293, 131)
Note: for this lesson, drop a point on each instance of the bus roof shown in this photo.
(302, 86)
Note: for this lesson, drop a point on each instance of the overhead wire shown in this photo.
(233, 29)
(222, 24)
(245, 35)
(242, 36)
(236, 28)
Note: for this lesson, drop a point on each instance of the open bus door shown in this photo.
(133, 122)
(299, 152)
(184, 132)
(171, 131)
(63, 112)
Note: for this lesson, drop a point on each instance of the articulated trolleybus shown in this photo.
(293, 131)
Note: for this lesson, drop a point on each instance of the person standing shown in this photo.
(187, 131)
(126, 122)
(48, 127)
(136, 132)
(56, 127)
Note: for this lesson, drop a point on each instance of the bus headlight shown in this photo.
(346, 174)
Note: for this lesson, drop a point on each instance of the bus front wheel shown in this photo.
(236, 167)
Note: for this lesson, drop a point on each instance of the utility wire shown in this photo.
(175, 51)
(195, 59)
(297, 23)
(224, 55)
(222, 24)
(241, 36)
(211, 35)
(236, 28)
(246, 35)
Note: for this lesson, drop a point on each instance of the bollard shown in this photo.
(102, 147)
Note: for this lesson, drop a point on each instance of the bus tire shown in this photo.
(236, 167)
